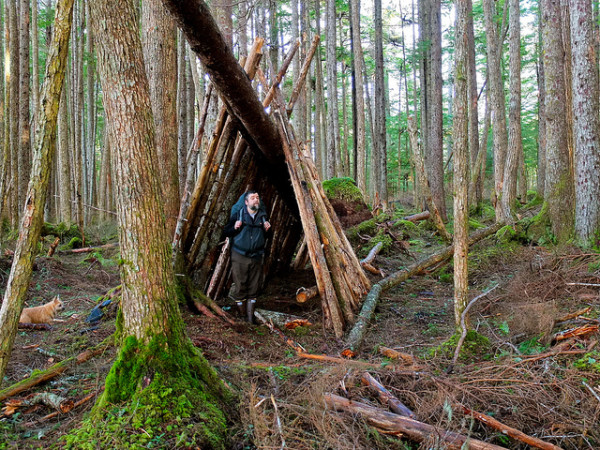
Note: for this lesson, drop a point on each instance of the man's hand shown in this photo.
(267, 225)
(237, 225)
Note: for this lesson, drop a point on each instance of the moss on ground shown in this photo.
(476, 346)
(165, 388)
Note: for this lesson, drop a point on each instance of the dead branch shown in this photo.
(386, 397)
(579, 331)
(356, 335)
(463, 325)
(89, 249)
(282, 320)
(395, 354)
(77, 404)
(52, 248)
(412, 429)
(509, 431)
(367, 262)
(287, 340)
(55, 370)
(417, 217)
(573, 315)
(589, 388)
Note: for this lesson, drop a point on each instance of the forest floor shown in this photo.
(514, 370)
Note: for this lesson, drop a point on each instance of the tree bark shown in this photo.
(587, 123)
(515, 144)
(559, 195)
(497, 101)
(45, 145)
(155, 351)
(541, 81)
(380, 135)
(460, 133)
(333, 136)
(358, 62)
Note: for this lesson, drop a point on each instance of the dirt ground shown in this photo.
(520, 375)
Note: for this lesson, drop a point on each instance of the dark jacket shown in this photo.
(249, 240)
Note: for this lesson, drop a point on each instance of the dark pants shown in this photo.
(247, 274)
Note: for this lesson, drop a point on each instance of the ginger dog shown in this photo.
(42, 314)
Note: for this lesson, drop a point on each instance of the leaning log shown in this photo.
(206, 41)
(414, 430)
(356, 335)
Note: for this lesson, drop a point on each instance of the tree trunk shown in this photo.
(159, 37)
(35, 65)
(64, 174)
(320, 130)
(380, 135)
(333, 138)
(497, 101)
(515, 147)
(474, 147)
(559, 178)
(587, 123)
(360, 132)
(24, 91)
(155, 352)
(541, 80)
(33, 214)
(460, 133)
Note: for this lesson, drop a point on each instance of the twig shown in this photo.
(583, 284)
(464, 327)
(594, 393)
(278, 421)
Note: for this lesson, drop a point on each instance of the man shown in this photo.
(247, 227)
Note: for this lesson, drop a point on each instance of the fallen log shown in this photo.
(418, 217)
(304, 294)
(55, 370)
(89, 249)
(386, 397)
(414, 430)
(509, 431)
(360, 364)
(280, 319)
(356, 334)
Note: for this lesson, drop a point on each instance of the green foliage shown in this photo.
(62, 230)
(589, 362)
(531, 346)
(368, 227)
(343, 189)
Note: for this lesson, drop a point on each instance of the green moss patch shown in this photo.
(476, 347)
(343, 189)
(153, 391)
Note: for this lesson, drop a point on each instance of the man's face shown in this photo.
(252, 202)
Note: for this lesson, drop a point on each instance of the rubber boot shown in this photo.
(250, 309)
(241, 308)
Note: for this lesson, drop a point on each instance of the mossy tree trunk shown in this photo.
(33, 214)
(156, 357)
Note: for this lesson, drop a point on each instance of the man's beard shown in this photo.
(254, 208)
